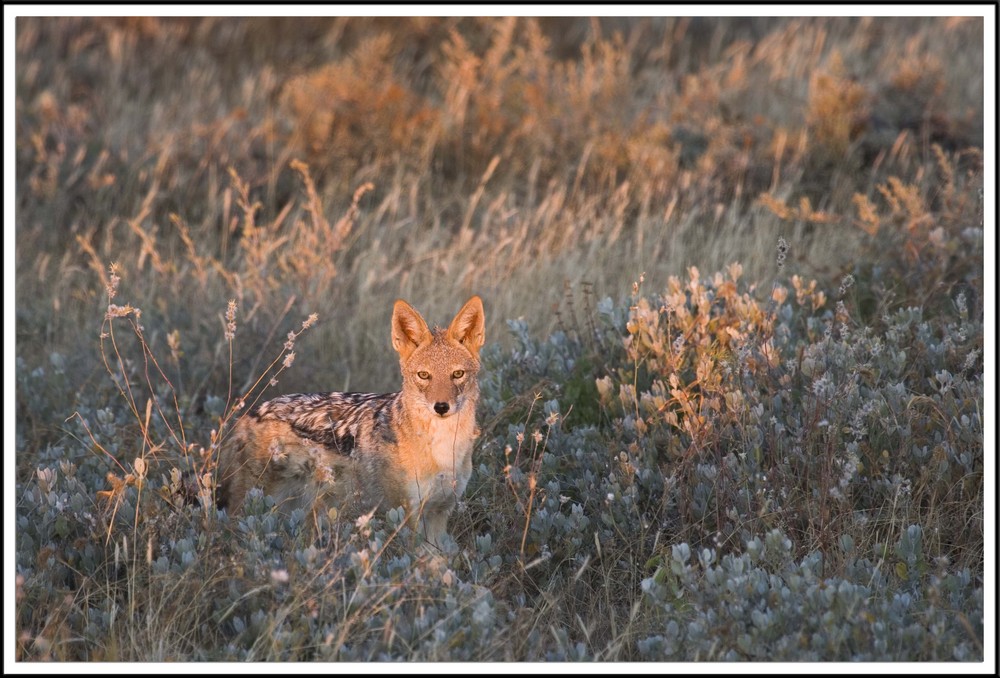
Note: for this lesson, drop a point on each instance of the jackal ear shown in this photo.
(469, 325)
(408, 328)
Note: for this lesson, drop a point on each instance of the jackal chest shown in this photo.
(438, 462)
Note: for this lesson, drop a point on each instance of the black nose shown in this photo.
(441, 408)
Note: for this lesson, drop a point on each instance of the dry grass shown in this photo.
(495, 167)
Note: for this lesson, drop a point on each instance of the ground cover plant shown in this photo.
(732, 393)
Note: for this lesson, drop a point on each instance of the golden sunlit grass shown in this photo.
(493, 167)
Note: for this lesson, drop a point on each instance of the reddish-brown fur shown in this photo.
(358, 451)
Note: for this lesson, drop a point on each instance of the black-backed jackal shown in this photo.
(412, 448)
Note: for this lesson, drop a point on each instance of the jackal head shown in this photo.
(441, 365)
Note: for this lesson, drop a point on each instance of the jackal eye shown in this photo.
(458, 374)
(423, 375)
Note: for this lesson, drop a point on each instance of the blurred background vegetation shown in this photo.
(505, 157)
